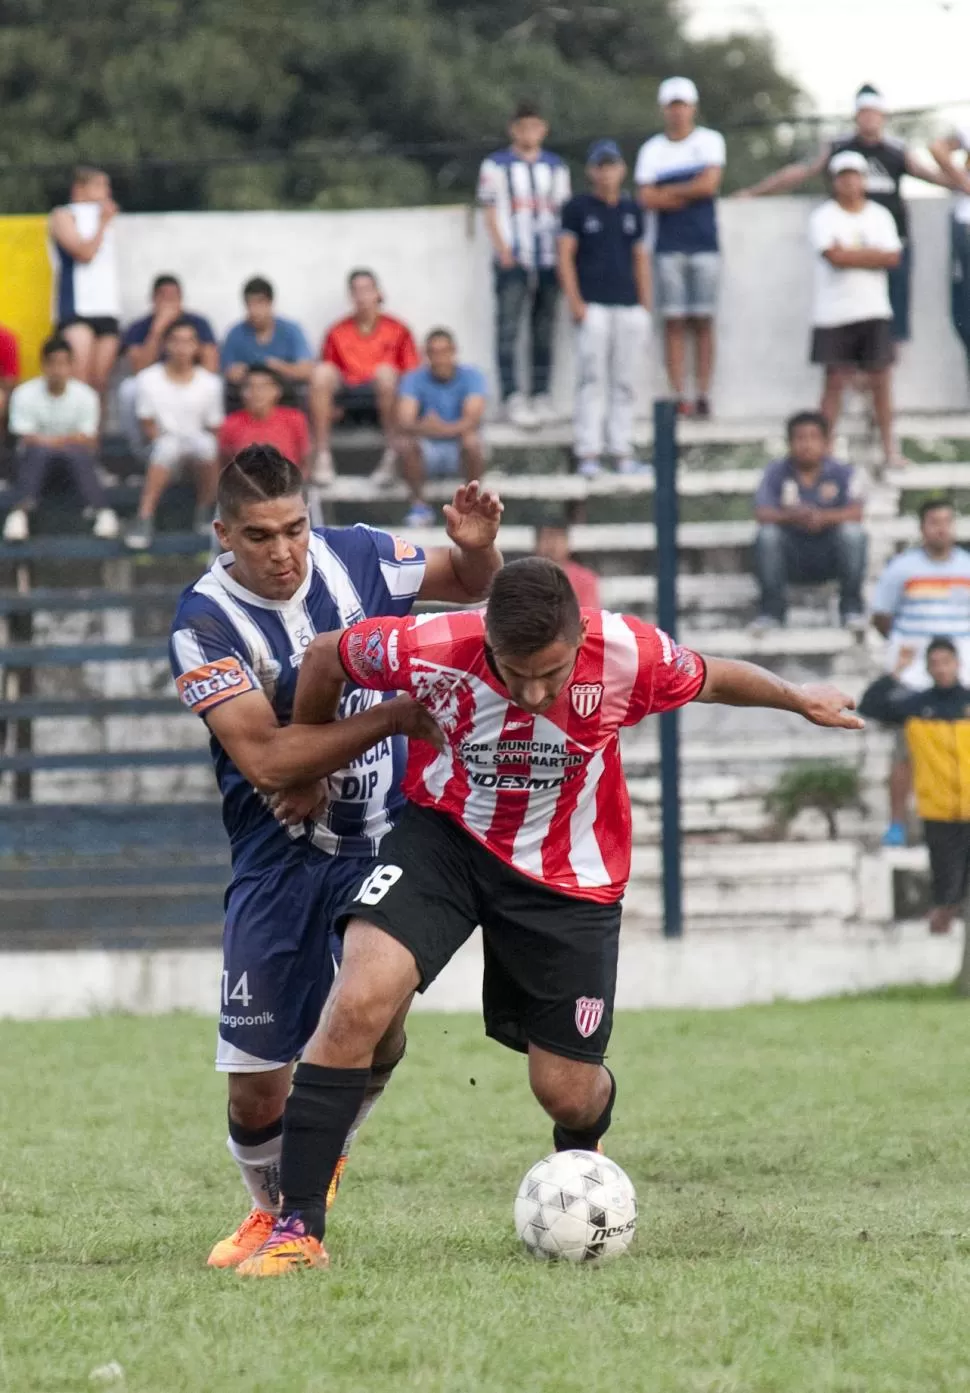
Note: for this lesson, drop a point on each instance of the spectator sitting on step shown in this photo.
(9, 373)
(604, 270)
(180, 408)
(262, 421)
(55, 418)
(923, 593)
(522, 190)
(552, 542)
(440, 419)
(265, 337)
(856, 244)
(364, 358)
(936, 727)
(141, 345)
(679, 176)
(809, 511)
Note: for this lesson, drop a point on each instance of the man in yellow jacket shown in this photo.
(937, 727)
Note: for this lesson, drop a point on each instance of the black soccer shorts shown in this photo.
(550, 960)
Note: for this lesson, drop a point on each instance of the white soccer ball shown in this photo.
(576, 1205)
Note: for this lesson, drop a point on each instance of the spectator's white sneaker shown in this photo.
(106, 524)
(631, 466)
(589, 468)
(17, 526)
(544, 411)
(419, 515)
(139, 535)
(322, 472)
(855, 622)
(519, 412)
(202, 520)
(385, 475)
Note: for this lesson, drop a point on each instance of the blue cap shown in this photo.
(604, 152)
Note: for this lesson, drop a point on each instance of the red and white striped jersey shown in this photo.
(545, 793)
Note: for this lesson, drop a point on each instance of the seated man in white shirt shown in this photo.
(180, 410)
(55, 419)
(856, 244)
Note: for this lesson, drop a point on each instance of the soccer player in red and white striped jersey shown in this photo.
(520, 823)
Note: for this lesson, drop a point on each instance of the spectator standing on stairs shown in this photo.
(923, 593)
(604, 271)
(552, 542)
(958, 175)
(55, 419)
(87, 287)
(809, 512)
(522, 190)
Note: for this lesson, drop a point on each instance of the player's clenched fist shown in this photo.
(825, 705)
(409, 718)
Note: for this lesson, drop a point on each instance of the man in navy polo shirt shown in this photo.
(809, 510)
(605, 275)
(679, 176)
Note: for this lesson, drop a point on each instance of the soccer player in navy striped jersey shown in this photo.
(305, 808)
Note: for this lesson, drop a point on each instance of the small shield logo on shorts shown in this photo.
(589, 1013)
(586, 697)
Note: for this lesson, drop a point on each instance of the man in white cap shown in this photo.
(678, 175)
(856, 245)
(887, 160)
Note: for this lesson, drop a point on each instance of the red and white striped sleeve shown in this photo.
(377, 653)
(668, 675)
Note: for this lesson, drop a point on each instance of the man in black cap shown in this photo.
(605, 275)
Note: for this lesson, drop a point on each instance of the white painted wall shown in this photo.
(732, 967)
(435, 268)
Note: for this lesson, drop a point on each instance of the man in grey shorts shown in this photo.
(678, 176)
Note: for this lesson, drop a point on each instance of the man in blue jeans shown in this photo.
(809, 510)
(522, 190)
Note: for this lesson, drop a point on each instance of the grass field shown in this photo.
(803, 1175)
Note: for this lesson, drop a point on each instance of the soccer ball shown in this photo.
(576, 1205)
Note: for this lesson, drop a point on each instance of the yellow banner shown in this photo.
(25, 285)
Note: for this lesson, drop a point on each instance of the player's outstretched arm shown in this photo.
(733, 683)
(461, 574)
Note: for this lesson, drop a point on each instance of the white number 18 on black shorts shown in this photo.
(550, 960)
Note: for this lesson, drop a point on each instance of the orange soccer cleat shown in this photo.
(251, 1234)
(287, 1248)
(338, 1175)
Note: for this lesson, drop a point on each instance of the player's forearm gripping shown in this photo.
(320, 683)
(733, 683)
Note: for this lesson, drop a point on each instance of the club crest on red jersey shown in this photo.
(589, 1013)
(585, 698)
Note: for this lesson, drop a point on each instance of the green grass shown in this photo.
(803, 1175)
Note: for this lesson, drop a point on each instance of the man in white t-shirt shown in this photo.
(855, 243)
(958, 176)
(180, 409)
(678, 176)
(55, 419)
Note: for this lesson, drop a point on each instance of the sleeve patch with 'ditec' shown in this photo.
(207, 686)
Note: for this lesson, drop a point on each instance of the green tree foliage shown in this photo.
(337, 103)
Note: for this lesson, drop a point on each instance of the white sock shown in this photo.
(259, 1167)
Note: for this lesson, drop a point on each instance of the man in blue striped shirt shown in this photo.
(923, 593)
(305, 808)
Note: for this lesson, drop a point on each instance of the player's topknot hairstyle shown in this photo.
(256, 475)
(530, 605)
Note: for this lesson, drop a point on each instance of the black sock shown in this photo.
(317, 1118)
(253, 1136)
(585, 1139)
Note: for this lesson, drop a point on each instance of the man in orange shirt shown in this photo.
(552, 542)
(364, 357)
(262, 421)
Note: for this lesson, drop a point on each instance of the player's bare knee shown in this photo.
(567, 1089)
(257, 1100)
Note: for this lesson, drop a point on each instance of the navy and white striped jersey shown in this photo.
(528, 196)
(226, 641)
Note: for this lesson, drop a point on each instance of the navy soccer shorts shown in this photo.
(279, 956)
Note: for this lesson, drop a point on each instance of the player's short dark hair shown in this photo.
(263, 370)
(807, 418)
(530, 605)
(258, 285)
(526, 109)
(940, 644)
(183, 322)
(166, 278)
(360, 271)
(931, 505)
(257, 474)
(84, 173)
(440, 333)
(55, 344)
